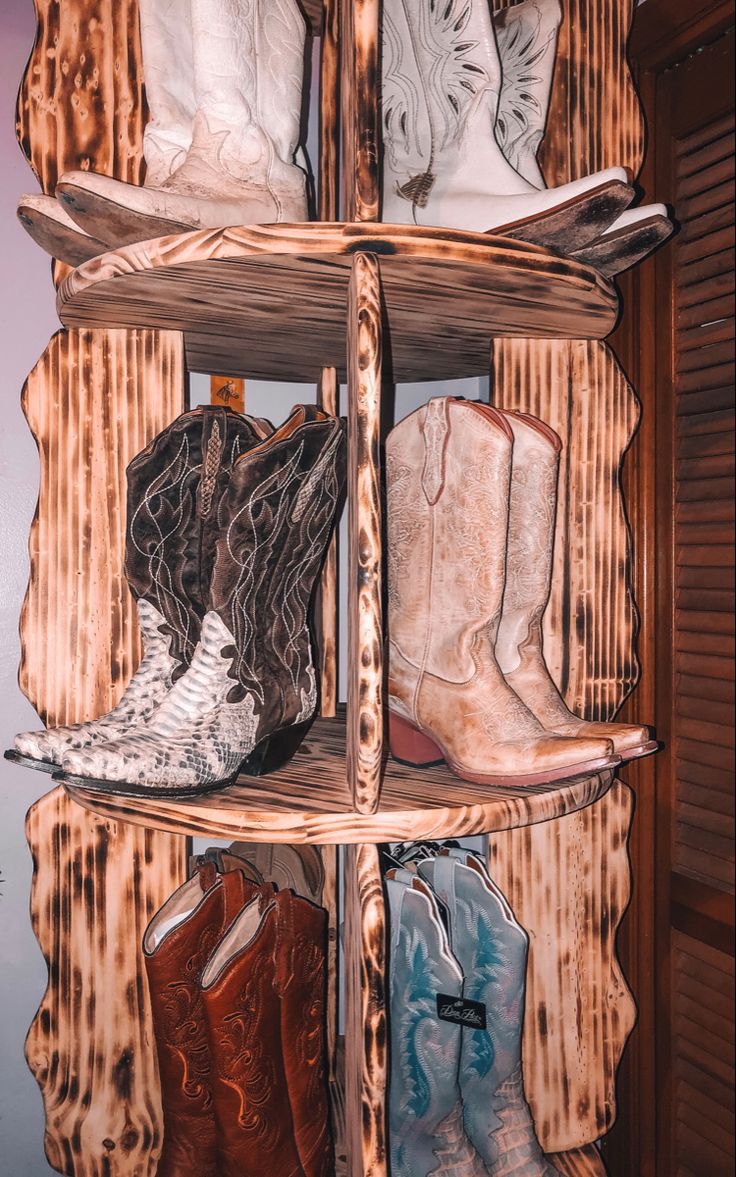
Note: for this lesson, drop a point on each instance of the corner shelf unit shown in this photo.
(325, 301)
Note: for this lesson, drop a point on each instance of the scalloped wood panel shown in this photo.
(81, 103)
(579, 1011)
(93, 401)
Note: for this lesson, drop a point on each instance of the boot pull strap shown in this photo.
(207, 872)
(435, 429)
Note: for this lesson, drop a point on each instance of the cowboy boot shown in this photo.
(250, 693)
(177, 944)
(248, 62)
(631, 237)
(529, 548)
(301, 984)
(491, 949)
(174, 487)
(526, 35)
(243, 1018)
(426, 1133)
(442, 163)
(296, 868)
(447, 475)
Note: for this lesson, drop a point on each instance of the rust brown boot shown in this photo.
(243, 1013)
(301, 954)
(177, 945)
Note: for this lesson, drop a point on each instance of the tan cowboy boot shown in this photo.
(519, 644)
(448, 471)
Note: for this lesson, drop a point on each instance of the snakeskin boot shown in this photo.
(529, 548)
(426, 1132)
(176, 947)
(443, 165)
(251, 691)
(491, 948)
(263, 993)
(448, 469)
(174, 489)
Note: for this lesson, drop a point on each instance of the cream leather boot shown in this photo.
(448, 469)
(526, 34)
(530, 543)
(442, 162)
(247, 61)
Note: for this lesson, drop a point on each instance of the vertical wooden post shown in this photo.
(329, 121)
(327, 619)
(365, 1013)
(365, 617)
(359, 29)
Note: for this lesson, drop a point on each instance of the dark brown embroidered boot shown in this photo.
(243, 1014)
(174, 489)
(301, 955)
(250, 692)
(177, 945)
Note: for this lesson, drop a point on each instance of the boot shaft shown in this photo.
(448, 469)
(274, 524)
(531, 535)
(174, 487)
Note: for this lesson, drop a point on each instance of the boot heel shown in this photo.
(410, 746)
(275, 750)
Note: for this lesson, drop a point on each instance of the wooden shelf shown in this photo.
(308, 801)
(270, 301)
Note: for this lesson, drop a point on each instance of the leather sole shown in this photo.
(30, 761)
(575, 223)
(412, 746)
(59, 240)
(112, 222)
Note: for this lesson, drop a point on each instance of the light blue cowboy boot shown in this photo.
(491, 948)
(426, 1132)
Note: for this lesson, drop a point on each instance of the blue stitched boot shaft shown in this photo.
(491, 948)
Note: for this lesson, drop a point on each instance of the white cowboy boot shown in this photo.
(631, 237)
(491, 949)
(442, 162)
(526, 35)
(447, 477)
(529, 547)
(248, 61)
(51, 227)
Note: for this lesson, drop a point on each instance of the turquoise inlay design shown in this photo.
(418, 1004)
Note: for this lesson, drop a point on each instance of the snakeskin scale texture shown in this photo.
(147, 688)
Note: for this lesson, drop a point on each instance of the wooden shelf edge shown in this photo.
(304, 825)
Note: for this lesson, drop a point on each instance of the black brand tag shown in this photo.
(471, 1014)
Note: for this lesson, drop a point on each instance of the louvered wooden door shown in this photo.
(679, 346)
(697, 697)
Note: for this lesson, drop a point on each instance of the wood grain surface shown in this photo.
(94, 399)
(271, 300)
(328, 393)
(568, 884)
(595, 118)
(589, 628)
(81, 104)
(581, 1162)
(359, 81)
(365, 1014)
(365, 608)
(309, 800)
(328, 193)
(90, 1048)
